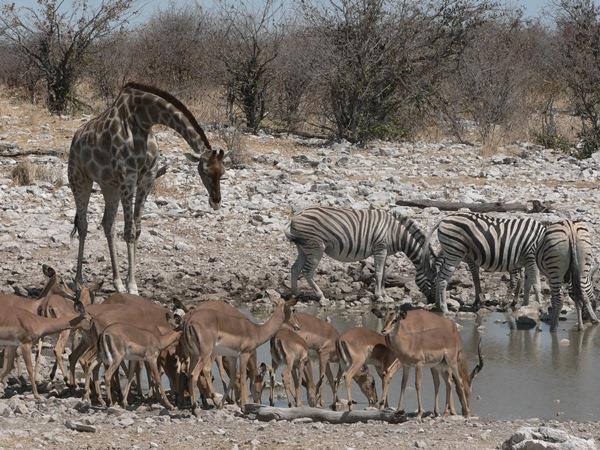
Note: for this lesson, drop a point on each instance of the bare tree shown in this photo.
(57, 39)
(494, 77)
(171, 49)
(578, 23)
(18, 72)
(382, 60)
(250, 42)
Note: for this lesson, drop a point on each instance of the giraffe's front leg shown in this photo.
(128, 187)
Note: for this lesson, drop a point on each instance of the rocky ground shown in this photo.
(188, 251)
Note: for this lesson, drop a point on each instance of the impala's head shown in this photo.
(390, 318)
(366, 384)
(211, 169)
(259, 381)
(467, 377)
(55, 285)
(84, 321)
(288, 308)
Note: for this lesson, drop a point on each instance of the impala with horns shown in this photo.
(421, 338)
(208, 333)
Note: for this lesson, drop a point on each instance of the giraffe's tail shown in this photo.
(75, 227)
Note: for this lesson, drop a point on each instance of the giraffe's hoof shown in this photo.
(119, 286)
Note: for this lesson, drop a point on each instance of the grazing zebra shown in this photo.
(351, 235)
(565, 256)
(494, 244)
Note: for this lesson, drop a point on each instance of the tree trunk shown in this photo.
(535, 206)
(268, 413)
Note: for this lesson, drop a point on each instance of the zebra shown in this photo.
(494, 244)
(350, 235)
(565, 256)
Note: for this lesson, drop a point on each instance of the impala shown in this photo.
(321, 336)
(421, 338)
(209, 332)
(358, 347)
(291, 351)
(21, 328)
(124, 342)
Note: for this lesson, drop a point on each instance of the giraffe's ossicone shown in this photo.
(118, 151)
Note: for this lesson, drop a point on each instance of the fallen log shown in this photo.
(535, 206)
(268, 413)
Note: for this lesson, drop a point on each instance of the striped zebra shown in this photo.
(494, 244)
(565, 256)
(351, 235)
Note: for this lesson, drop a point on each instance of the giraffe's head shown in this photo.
(211, 169)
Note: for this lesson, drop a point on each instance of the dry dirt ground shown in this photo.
(189, 252)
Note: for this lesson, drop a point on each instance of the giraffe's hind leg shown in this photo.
(81, 186)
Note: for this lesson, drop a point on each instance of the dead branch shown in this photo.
(267, 413)
(534, 206)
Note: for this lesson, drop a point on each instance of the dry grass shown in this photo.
(235, 146)
(26, 173)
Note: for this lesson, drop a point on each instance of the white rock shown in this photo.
(546, 438)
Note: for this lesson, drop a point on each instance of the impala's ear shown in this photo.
(292, 302)
(193, 157)
(79, 307)
(220, 155)
(48, 271)
(401, 314)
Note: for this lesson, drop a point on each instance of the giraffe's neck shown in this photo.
(149, 109)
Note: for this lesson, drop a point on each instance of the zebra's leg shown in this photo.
(586, 288)
(297, 269)
(556, 303)
(379, 258)
(516, 285)
(313, 257)
(444, 274)
(474, 269)
(531, 277)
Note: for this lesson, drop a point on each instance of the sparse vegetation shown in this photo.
(349, 69)
(26, 173)
(235, 146)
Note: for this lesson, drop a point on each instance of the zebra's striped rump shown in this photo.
(565, 256)
(350, 235)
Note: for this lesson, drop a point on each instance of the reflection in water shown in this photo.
(526, 373)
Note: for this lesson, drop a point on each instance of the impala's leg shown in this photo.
(405, 374)
(9, 361)
(75, 355)
(474, 269)
(460, 388)
(81, 186)
(251, 375)
(436, 389)
(244, 387)
(348, 377)
(297, 269)
(131, 371)
(418, 376)
(314, 253)
(222, 375)
(194, 369)
(156, 377)
(274, 366)
(330, 380)
(108, 376)
(297, 370)
(287, 383)
(228, 390)
(26, 351)
(449, 398)
(59, 349)
(379, 257)
(111, 205)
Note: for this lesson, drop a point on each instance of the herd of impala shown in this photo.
(126, 330)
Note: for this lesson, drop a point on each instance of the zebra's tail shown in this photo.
(575, 270)
(428, 256)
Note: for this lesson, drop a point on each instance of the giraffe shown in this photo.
(118, 151)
